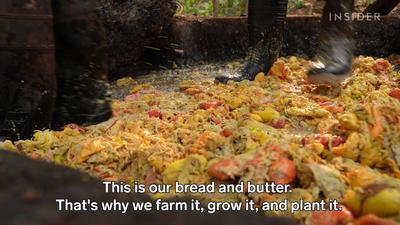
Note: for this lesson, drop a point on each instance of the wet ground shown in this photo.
(168, 80)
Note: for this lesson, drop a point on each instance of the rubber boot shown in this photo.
(27, 68)
(266, 27)
(397, 68)
(27, 98)
(335, 55)
(81, 64)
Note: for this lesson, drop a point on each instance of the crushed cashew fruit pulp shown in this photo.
(326, 143)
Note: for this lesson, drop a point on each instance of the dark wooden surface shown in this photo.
(192, 40)
(131, 27)
(28, 190)
(27, 66)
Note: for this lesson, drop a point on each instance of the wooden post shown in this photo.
(245, 8)
(215, 8)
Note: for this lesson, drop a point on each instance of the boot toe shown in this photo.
(397, 68)
(328, 75)
(222, 79)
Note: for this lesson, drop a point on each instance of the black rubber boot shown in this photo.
(335, 56)
(27, 68)
(81, 64)
(266, 27)
(397, 68)
(27, 97)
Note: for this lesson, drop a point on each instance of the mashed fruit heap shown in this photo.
(338, 143)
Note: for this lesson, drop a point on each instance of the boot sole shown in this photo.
(327, 78)
(95, 119)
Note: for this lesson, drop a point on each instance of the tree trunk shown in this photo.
(215, 8)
